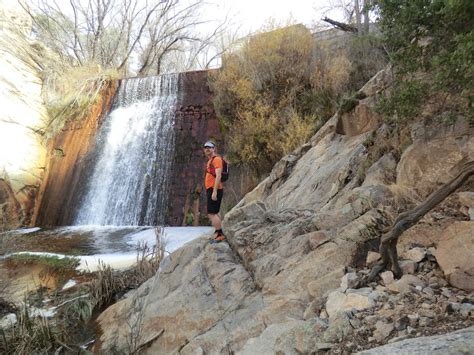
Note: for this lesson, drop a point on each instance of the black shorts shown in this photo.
(213, 207)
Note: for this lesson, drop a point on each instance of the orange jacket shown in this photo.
(210, 178)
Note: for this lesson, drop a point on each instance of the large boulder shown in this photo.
(201, 298)
(455, 254)
(435, 154)
(359, 120)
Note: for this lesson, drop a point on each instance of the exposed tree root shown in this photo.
(405, 220)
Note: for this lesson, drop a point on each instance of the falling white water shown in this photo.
(135, 146)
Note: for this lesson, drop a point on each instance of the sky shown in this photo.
(253, 14)
(250, 16)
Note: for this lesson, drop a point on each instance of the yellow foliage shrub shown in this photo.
(257, 96)
(275, 91)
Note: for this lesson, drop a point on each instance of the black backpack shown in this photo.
(225, 169)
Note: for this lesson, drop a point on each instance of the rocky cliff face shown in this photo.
(275, 286)
(67, 165)
(22, 155)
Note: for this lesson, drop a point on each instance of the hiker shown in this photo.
(214, 190)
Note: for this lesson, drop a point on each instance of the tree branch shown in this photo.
(342, 26)
(388, 245)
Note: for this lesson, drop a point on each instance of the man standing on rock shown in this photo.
(214, 189)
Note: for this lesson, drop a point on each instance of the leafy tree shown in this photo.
(431, 43)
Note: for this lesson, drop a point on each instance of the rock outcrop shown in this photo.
(275, 287)
(455, 254)
(23, 116)
(212, 295)
(458, 342)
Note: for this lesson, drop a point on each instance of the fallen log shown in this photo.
(342, 26)
(405, 220)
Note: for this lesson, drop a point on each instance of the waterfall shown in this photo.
(128, 184)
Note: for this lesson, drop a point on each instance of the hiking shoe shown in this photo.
(218, 239)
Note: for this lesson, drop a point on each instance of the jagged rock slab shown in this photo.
(459, 342)
(202, 297)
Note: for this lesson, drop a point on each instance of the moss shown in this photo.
(360, 95)
(58, 152)
(54, 262)
(348, 104)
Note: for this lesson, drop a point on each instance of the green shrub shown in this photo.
(56, 263)
(404, 100)
(348, 104)
(433, 37)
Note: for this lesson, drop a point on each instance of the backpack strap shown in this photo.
(210, 164)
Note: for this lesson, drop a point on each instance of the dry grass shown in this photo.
(146, 267)
(109, 283)
(71, 92)
(30, 335)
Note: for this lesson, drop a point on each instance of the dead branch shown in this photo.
(342, 26)
(388, 245)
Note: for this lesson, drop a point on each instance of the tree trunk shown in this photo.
(357, 15)
(388, 245)
(342, 26)
(365, 11)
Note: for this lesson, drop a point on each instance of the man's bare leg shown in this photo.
(215, 220)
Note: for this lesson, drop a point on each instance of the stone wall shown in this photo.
(195, 123)
(67, 167)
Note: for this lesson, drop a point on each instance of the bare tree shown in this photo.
(356, 17)
(405, 220)
(206, 53)
(365, 12)
(345, 7)
(118, 34)
(178, 43)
